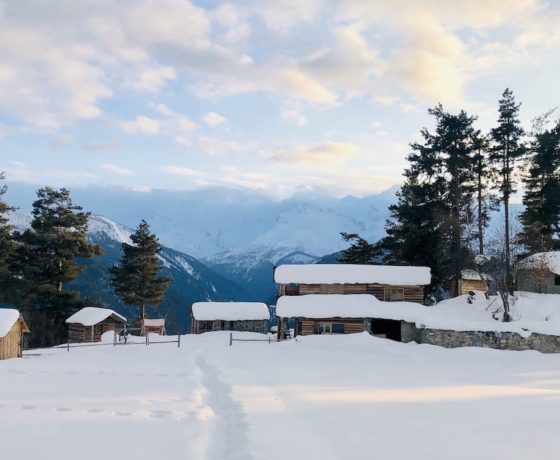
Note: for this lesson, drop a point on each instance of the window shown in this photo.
(394, 294)
(292, 289)
(323, 327)
(556, 280)
(338, 328)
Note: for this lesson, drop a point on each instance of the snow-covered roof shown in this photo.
(549, 260)
(154, 322)
(8, 317)
(230, 311)
(473, 275)
(89, 316)
(352, 274)
(345, 306)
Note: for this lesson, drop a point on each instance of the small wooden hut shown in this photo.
(155, 325)
(90, 323)
(12, 328)
(387, 283)
(229, 316)
(472, 280)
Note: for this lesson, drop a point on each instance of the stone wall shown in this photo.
(498, 340)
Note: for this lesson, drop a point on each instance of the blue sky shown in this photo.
(278, 96)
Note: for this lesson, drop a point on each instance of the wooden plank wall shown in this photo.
(410, 293)
(307, 326)
(78, 333)
(10, 344)
(472, 285)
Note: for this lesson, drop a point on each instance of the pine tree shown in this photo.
(7, 245)
(541, 217)
(360, 251)
(46, 260)
(485, 200)
(427, 225)
(136, 280)
(506, 152)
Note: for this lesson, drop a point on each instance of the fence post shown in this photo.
(147, 339)
(68, 346)
(230, 339)
(178, 340)
(115, 337)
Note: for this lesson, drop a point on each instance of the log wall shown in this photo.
(308, 326)
(410, 293)
(10, 344)
(78, 333)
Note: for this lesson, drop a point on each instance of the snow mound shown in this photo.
(8, 317)
(352, 274)
(90, 316)
(230, 311)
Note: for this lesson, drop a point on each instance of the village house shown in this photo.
(344, 314)
(12, 328)
(90, 323)
(229, 316)
(387, 283)
(539, 273)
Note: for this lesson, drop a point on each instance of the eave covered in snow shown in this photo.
(230, 311)
(546, 260)
(8, 318)
(90, 316)
(352, 274)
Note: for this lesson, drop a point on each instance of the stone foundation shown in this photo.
(485, 339)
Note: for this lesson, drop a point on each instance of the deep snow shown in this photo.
(320, 397)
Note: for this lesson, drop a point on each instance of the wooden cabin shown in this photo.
(154, 325)
(328, 314)
(12, 328)
(471, 280)
(386, 282)
(229, 316)
(540, 273)
(90, 323)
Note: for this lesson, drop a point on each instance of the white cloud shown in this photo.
(213, 119)
(293, 116)
(182, 141)
(182, 171)
(114, 169)
(141, 124)
(321, 155)
(212, 146)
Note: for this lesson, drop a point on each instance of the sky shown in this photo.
(277, 96)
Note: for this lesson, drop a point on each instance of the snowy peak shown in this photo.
(100, 225)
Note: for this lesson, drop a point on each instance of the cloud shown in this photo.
(182, 171)
(318, 155)
(213, 119)
(114, 169)
(182, 141)
(293, 116)
(212, 146)
(142, 125)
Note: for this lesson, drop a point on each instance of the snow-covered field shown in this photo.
(320, 397)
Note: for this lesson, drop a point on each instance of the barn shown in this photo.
(90, 323)
(329, 314)
(387, 283)
(229, 316)
(12, 328)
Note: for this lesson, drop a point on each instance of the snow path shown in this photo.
(229, 436)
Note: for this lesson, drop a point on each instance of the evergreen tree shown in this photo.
(360, 251)
(7, 245)
(541, 217)
(485, 201)
(506, 152)
(46, 261)
(136, 280)
(427, 225)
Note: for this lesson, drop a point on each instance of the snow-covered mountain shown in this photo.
(192, 280)
(253, 268)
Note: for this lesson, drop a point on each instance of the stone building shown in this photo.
(540, 273)
(229, 316)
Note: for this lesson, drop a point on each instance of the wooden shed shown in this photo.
(471, 280)
(154, 325)
(90, 323)
(386, 282)
(229, 316)
(12, 328)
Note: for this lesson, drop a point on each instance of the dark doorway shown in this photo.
(388, 328)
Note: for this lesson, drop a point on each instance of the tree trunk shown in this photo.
(142, 312)
(480, 213)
